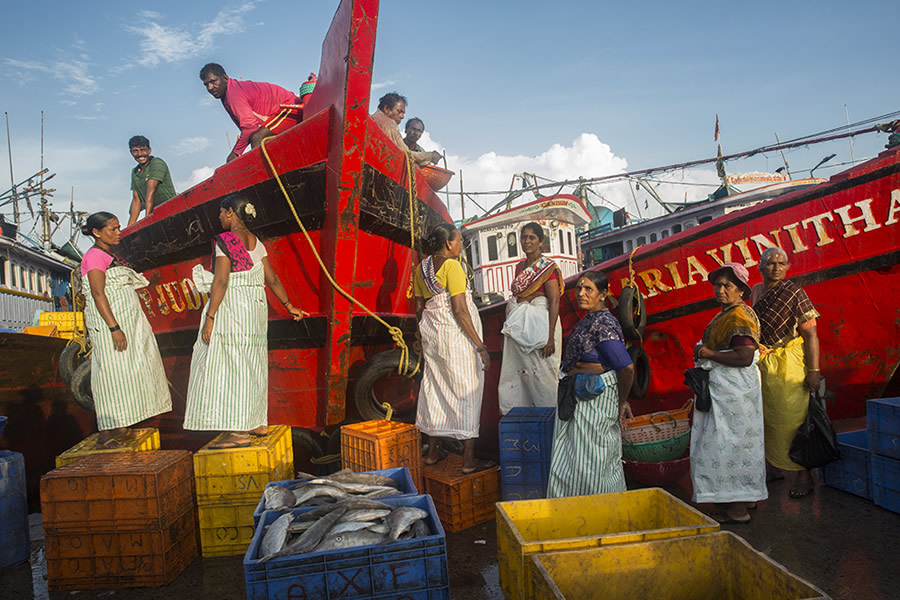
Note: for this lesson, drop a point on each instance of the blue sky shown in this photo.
(558, 89)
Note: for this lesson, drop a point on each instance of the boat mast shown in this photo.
(12, 179)
(787, 168)
(45, 208)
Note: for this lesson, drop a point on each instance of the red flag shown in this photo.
(716, 139)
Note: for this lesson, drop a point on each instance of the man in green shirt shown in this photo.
(151, 183)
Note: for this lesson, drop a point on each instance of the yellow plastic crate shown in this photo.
(527, 527)
(227, 528)
(42, 330)
(68, 324)
(241, 474)
(382, 444)
(714, 566)
(144, 440)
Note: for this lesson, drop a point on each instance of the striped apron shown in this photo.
(452, 379)
(587, 449)
(229, 381)
(128, 387)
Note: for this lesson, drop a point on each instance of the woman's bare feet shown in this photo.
(234, 439)
(802, 486)
(735, 514)
(260, 431)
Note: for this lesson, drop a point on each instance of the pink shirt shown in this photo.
(95, 259)
(252, 103)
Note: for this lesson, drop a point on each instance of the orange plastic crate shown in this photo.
(122, 559)
(123, 491)
(376, 445)
(462, 500)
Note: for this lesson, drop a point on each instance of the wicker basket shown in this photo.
(642, 420)
(658, 474)
(662, 429)
(658, 451)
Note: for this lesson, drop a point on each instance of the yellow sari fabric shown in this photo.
(738, 320)
(785, 401)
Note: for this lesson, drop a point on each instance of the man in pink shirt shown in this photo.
(255, 106)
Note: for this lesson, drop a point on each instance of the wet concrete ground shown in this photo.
(841, 543)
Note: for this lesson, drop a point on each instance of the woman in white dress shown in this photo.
(229, 380)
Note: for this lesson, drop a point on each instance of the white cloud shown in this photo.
(191, 145)
(383, 84)
(74, 72)
(161, 43)
(197, 175)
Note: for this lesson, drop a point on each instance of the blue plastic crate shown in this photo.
(2, 425)
(399, 474)
(853, 471)
(415, 568)
(883, 423)
(526, 443)
(886, 482)
(15, 546)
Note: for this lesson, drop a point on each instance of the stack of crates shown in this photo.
(15, 546)
(119, 520)
(462, 500)
(526, 442)
(68, 324)
(870, 458)
(230, 482)
(141, 440)
(376, 445)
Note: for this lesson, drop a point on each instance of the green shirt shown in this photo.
(156, 169)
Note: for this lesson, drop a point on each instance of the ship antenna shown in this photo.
(787, 168)
(12, 179)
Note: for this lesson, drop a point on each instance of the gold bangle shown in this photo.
(210, 317)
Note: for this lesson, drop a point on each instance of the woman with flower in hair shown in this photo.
(228, 387)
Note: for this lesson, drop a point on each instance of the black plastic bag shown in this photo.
(698, 380)
(565, 398)
(815, 444)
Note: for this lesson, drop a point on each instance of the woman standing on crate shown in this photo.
(533, 335)
(128, 382)
(789, 347)
(587, 443)
(228, 387)
(727, 449)
(455, 356)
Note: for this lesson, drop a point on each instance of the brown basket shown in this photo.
(661, 429)
(436, 177)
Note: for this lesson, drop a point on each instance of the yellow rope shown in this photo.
(327, 459)
(632, 283)
(388, 409)
(395, 332)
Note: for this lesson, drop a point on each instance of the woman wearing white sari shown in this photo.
(229, 381)
(455, 356)
(533, 335)
(128, 381)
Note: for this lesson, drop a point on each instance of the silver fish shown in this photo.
(402, 517)
(351, 503)
(381, 492)
(275, 536)
(278, 498)
(346, 526)
(347, 476)
(420, 529)
(310, 538)
(309, 492)
(299, 526)
(365, 514)
(382, 528)
(351, 539)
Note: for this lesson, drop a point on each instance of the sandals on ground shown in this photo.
(231, 442)
(480, 465)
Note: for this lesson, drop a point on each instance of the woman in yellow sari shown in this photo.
(727, 443)
(789, 347)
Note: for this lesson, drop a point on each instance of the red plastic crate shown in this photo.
(376, 445)
(462, 500)
(124, 491)
(77, 561)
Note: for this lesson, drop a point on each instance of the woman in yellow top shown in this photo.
(455, 356)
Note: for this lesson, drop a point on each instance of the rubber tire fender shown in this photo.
(631, 301)
(641, 382)
(69, 361)
(81, 386)
(375, 368)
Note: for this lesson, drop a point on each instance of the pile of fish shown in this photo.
(348, 523)
(319, 491)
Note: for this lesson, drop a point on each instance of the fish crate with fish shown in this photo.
(15, 546)
(120, 559)
(311, 490)
(382, 444)
(123, 491)
(357, 548)
(140, 440)
(883, 425)
(527, 527)
(714, 565)
(852, 472)
(462, 500)
(526, 441)
(239, 475)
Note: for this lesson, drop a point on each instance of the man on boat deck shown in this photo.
(391, 108)
(151, 182)
(255, 106)
(414, 130)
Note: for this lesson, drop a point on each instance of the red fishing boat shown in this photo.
(334, 189)
(843, 241)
